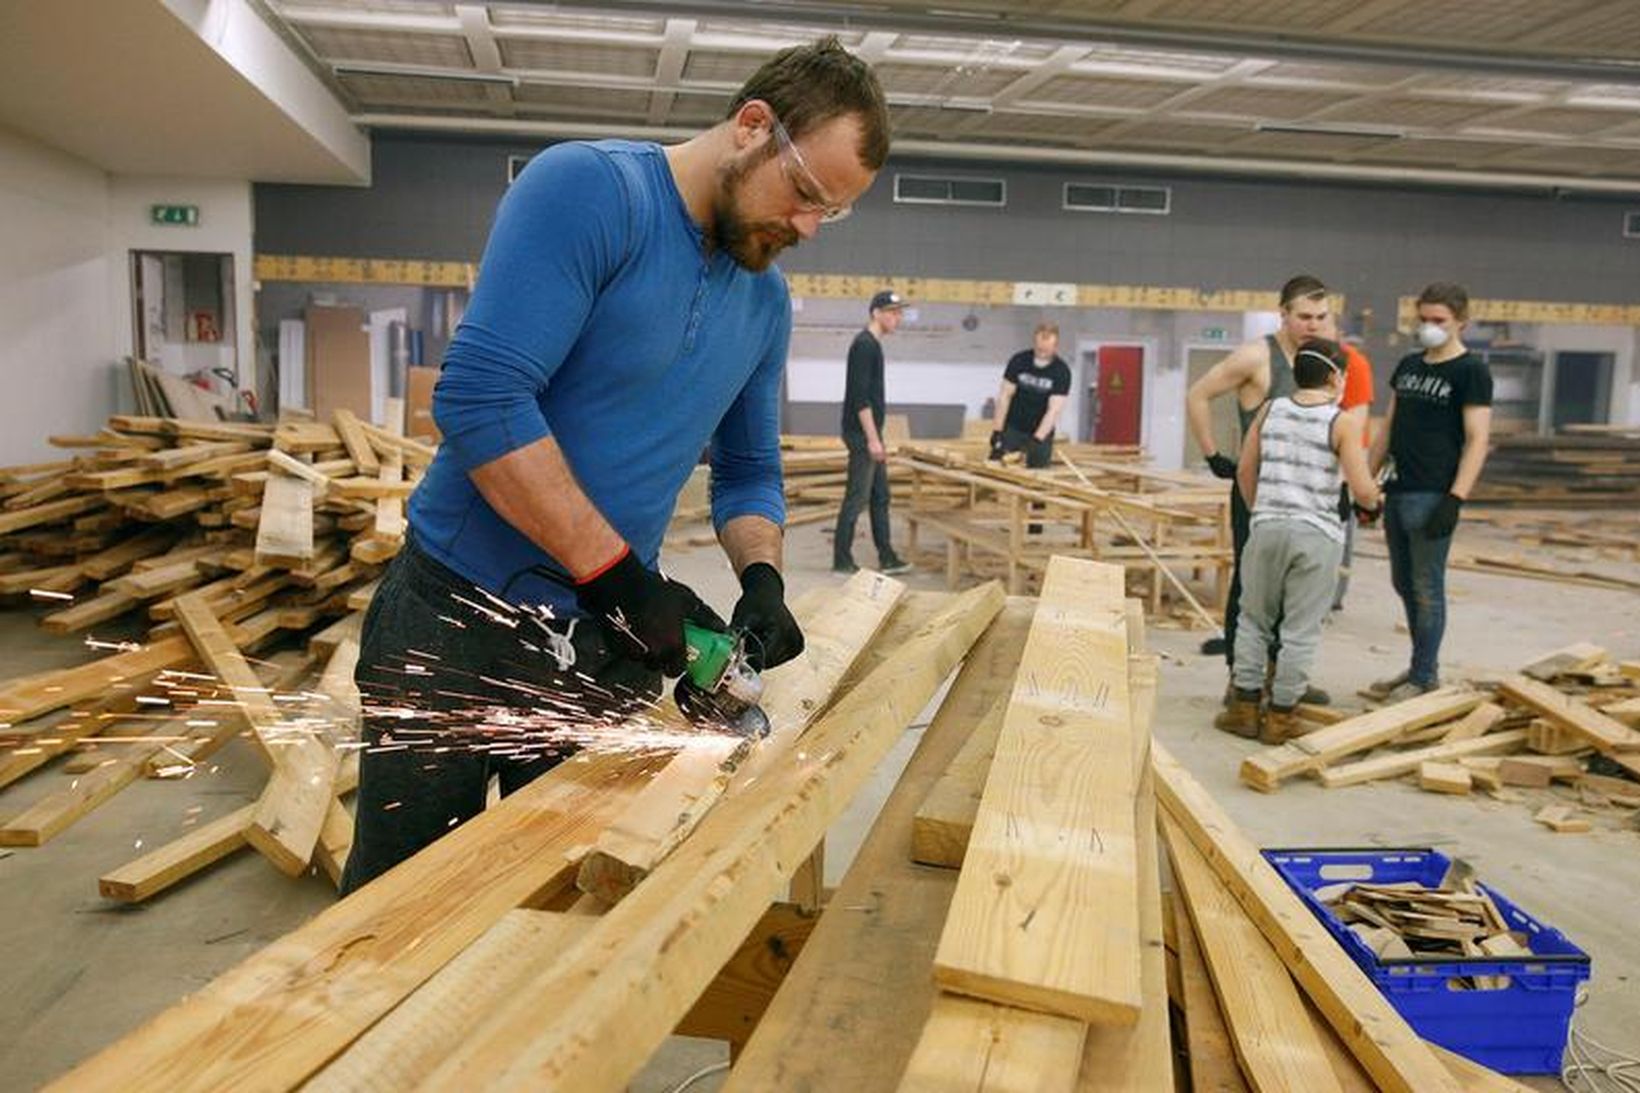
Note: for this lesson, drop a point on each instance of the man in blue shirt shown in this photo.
(627, 316)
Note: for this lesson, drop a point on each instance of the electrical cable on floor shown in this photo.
(1583, 1069)
(703, 1072)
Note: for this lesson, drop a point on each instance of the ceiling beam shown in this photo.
(475, 27)
(669, 67)
(1055, 65)
(874, 45)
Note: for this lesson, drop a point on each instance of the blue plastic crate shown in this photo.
(1518, 1029)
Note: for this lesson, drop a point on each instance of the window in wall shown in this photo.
(1102, 197)
(950, 190)
(1631, 225)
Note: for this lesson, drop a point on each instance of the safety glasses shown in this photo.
(811, 196)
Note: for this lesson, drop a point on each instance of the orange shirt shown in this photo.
(1357, 383)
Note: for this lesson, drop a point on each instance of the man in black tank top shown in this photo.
(1256, 372)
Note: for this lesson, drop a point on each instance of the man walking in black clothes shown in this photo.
(863, 407)
(1034, 388)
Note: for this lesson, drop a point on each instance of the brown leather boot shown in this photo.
(1280, 725)
(1240, 715)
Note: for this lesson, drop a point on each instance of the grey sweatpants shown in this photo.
(1289, 572)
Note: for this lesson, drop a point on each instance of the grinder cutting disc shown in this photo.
(721, 710)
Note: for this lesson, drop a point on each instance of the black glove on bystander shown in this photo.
(645, 612)
(996, 444)
(773, 634)
(1222, 466)
(1444, 519)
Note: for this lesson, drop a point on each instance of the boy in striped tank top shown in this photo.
(1297, 451)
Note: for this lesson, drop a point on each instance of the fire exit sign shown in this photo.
(186, 215)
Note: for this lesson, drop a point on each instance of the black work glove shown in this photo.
(996, 444)
(645, 612)
(1368, 517)
(1222, 466)
(772, 634)
(1444, 519)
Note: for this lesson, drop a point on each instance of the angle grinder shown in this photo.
(719, 689)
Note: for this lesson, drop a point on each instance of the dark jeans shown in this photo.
(1241, 526)
(867, 483)
(458, 686)
(1417, 568)
(1038, 453)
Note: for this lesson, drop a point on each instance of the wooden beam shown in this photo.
(1063, 764)
(869, 962)
(292, 808)
(837, 625)
(1270, 1030)
(49, 691)
(284, 1012)
(357, 442)
(1405, 762)
(1265, 770)
(48, 513)
(1213, 1066)
(284, 527)
(53, 813)
(1375, 1034)
(969, 1044)
(945, 819)
(626, 985)
(1605, 733)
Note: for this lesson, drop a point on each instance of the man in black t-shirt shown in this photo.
(1035, 385)
(1436, 431)
(864, 405)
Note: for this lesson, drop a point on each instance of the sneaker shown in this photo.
(1315, 696)
(893, 565)
(1215, 647)
(1381, 687)
(844, 567)
(1407, 690)
(1240, 716)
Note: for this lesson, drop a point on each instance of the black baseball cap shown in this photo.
(885, 299)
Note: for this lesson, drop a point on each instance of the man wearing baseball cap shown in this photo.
(863, 408)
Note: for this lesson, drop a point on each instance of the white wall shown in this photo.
(56, 321)
(1619, 341)
(225, 224)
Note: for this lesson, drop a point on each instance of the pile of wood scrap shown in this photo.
(1567, 724)
(1406, 918)
(1579, 468)
(195, 544)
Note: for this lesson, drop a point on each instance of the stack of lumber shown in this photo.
(1577, 468)
(1546, 728)
(205, 542)
(480, 964)
(1170, 530)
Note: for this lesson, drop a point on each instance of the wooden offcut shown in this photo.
(284, 531)
(1063, 764)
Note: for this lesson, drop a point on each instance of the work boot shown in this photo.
(1240, 715)
(1281, 724)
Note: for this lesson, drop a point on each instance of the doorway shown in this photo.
(1113, 412)
(1582, 389)
(1226, 427)
(183, 315)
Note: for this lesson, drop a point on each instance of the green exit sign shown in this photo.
(174, 214)
(1215, 334)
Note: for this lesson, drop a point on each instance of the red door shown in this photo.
(1121, 387)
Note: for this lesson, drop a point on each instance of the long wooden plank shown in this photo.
(1044, 919)
(837, 625)
(1405, 762)
(969, 1044)
(868, 965)
(1605, 733)
(284, 528)
(291, 811)
(1378, 1036)
(355, 440)
(49, 691)
(624, 988)
(48, 513)
(1265, 770)
(271, 1021)
(53, 813)
(1213, 1066)
(945, 820)
(1270, 1029)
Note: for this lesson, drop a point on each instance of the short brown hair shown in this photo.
(808, 86)
(1302, 287)
(1454, 297)
(1047, 328)
(1315, 362)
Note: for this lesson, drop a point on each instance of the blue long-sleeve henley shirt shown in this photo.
(599, 319)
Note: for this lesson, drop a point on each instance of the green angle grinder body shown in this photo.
(718, 688)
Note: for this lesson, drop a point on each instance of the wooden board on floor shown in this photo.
(1376, 1035)
(1063, 763)
(48, 691)
(1405, 762)
(619, 993)
(1605, 733)
(868, 963)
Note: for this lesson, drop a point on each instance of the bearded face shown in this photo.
(752, 243)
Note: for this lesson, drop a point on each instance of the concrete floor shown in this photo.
(77, 971)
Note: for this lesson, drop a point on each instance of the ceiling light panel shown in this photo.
(899, 79)
(1122, 94)
(795, 33)
(1203, 65)
(392, 7)
(1348, 74)
(394, 47)
(1015, 49)
(546, 56)
(1265, 102)
(412, 90)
